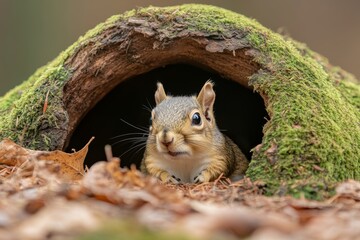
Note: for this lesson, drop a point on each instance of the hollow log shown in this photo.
(309, 140)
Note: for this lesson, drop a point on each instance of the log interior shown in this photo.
(114, 80)
(240, 113)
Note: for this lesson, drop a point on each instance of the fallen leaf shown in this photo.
(36, 204)
(350, 189)
(71, 164)
(12, 154)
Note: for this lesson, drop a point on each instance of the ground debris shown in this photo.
(36, 202)
(71, 164)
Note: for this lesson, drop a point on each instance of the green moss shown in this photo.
(313, 131)
(197, 18)
(25, 114)
(22, 107)
(314, 117)
(131, 230)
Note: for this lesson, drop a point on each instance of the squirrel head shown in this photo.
(182, 125)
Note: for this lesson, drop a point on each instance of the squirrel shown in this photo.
(184, 144)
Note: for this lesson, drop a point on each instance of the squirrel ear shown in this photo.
(206, 97)
(160, 94)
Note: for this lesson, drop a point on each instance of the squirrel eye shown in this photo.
(196, 119)
(150, 121)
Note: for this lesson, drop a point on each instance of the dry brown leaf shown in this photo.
(71, 164)
(34, 203)
(107, 182)
(350, 189)
(12, 154)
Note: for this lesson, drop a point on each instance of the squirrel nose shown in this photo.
(167, 138)
(167, 143)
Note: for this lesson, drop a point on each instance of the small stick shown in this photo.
(46, 102)
(108, 153)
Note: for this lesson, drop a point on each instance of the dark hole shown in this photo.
(240, 113)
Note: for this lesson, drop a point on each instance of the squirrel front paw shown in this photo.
(175, 180)
(203, 176)
(167, 178)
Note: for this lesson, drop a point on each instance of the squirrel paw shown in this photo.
(174, 180)
(203, 176)
(167, 178)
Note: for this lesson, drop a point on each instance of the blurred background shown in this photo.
(34, 32)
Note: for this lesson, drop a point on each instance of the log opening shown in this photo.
(113, 80)
(240, 113)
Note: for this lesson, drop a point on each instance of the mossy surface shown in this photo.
(22, 115)
(131, 230)
(312, 139)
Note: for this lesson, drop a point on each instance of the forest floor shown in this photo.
(107, 202)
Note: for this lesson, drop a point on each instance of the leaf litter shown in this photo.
(49, 195)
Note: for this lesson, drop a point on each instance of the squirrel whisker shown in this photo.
(130, 140)
(142, 145)
(143, 129)
(149, 107)
(129, 134)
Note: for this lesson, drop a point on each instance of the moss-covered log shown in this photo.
(311, 140)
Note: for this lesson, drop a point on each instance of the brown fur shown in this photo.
(179, 149)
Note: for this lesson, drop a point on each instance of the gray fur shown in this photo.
(174, 117)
